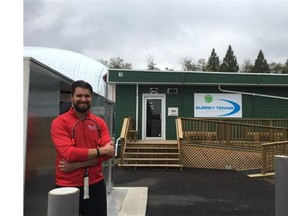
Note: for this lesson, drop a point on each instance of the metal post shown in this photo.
(63, 201)
(281, 186)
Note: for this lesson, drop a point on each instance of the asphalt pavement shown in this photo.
(200, 192)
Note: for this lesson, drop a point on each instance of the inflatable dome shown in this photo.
(71, 64)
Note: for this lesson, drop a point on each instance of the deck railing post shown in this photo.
(263, 152)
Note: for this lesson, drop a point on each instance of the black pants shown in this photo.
(97, 203)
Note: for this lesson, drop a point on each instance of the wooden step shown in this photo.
(153, 153)
(151, 147)
(150, 165)
(151, 143)
(151, 159)
(160, 142)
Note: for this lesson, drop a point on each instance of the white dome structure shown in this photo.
(71, 64)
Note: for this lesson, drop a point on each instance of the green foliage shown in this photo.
(213, 62)
(261, 65)
(169, 69)
(276, 68)
(118, 63)
(201, 65)
(151, 65)
(279, 68)
(285, 68)
(229, 62)
(247, 66)
(188, 65)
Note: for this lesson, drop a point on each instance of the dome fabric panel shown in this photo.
(71, 64)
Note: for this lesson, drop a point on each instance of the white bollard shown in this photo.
(63, 201)
(281, 185)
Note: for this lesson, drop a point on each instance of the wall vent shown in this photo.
(172, 91)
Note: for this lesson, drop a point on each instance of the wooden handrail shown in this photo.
(270, 150)
(228, 133)
(123, 136)
(179, 135)
(125, 126)
(179, 131)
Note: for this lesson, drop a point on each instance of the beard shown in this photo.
(82, 109)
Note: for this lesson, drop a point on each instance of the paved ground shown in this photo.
(200, 192)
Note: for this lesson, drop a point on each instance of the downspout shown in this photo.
(137, 100)
(253, 94)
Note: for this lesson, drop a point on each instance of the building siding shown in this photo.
(125, 105)
(253, 106)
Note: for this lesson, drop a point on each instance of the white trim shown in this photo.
(163, 115)
(198, 83)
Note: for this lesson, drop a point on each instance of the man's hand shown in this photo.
(68, 167)
(108, 149)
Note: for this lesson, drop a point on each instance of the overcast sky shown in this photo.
(168, 30)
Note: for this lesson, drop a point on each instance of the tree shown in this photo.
(285, 68)
(169, 69)
(104, 62)
(276, 68)
(213, 62)
(247, 66)
(187, 65)
(261, 65)
(201, 65)
(118, 63)
(151, 65)
(229, 62)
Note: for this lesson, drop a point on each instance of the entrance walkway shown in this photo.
(200, 192)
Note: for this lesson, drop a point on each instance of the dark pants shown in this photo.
(97, 203)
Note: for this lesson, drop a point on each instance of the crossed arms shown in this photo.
(93, 154)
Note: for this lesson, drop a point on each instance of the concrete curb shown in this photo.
(127, 201)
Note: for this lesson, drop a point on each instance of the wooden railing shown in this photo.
(146, 153)
(255, 121)
(127, 126)
(264, 136)
(227, 133)
(269, 150)
(179, 136)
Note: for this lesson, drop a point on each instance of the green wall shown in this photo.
(252, 106)
(125, 105)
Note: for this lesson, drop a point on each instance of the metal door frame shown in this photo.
(162, 97)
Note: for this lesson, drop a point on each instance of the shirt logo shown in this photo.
(92, 127)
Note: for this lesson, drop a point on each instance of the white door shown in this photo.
(153, 124)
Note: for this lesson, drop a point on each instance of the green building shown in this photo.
(155, 98)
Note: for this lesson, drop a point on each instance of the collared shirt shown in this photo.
(85, 137)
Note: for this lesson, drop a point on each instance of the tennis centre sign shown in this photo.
(218, 105)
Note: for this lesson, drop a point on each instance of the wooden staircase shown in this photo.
(151, 153)
(146, 153)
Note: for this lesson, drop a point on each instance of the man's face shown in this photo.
(81, 99)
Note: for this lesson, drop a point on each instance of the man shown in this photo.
(82, 142)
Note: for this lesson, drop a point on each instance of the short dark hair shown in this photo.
(81, 84)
